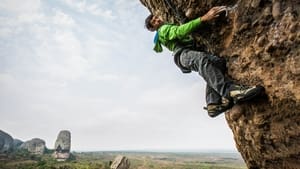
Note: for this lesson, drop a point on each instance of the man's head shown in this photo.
(152, 22)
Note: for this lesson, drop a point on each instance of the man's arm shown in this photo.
(172, 32)
(178, 32)
(213, 13)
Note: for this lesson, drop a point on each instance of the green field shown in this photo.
(138, 160)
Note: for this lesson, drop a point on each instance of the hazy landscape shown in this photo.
(138, 160)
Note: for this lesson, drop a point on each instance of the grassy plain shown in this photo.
(138, 160)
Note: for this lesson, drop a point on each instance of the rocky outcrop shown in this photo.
(120, 162)
(261, 41)
(6, 142)
(35, 146)
(62, 146)
(17, 143)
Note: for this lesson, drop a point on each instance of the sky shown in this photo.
(87, 66)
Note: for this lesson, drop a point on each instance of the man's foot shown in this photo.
(244, 93)
(216, 109)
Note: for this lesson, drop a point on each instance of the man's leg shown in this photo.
(200, 62)
(212, 97)
(214, 102)
(218, 62)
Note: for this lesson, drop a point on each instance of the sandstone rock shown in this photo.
(276, 10)
(255, 3)
(190, 13)
(267, 11)
(261, 41)
(62, 145)
(293, 27)
(120, 162)
(6, 142)
(35, 146)
(63, 141)
(61, 156)
(267, 131)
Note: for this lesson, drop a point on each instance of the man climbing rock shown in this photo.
(221, 93)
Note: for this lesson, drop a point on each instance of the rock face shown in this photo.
(17, 143)
(35, 146)
(120, 162)
(261, 41)
(62, 145)
(6, 142)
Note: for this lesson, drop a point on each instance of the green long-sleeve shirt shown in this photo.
(170, 35)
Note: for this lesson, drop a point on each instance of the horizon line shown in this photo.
(164, 150)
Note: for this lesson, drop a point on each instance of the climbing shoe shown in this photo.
(216, 109)
(244, 93)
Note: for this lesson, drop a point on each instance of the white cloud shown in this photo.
(105, 77)
(18, 16)
(29, 18)
(84, 6)
(51, 46)
(15, 6)
(62, 19)
(170, 95)
(5, 32)
(5, 79)
(60, 55)
(97, 48)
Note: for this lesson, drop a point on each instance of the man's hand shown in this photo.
(213, 13)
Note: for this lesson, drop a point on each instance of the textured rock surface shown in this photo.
(63, 141)
(35, 146)
(62, 145)
(6, 142)
(261, 40)
(17, 143)
(120, 162)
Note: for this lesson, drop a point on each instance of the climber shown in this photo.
(221, 93)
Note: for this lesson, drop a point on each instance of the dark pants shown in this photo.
(212, 69)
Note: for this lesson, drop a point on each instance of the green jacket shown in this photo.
(170, 35)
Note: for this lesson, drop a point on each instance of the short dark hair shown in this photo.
(148, 24)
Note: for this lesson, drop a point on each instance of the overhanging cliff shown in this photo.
(261, 41)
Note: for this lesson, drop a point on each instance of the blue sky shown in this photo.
(87, 66)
